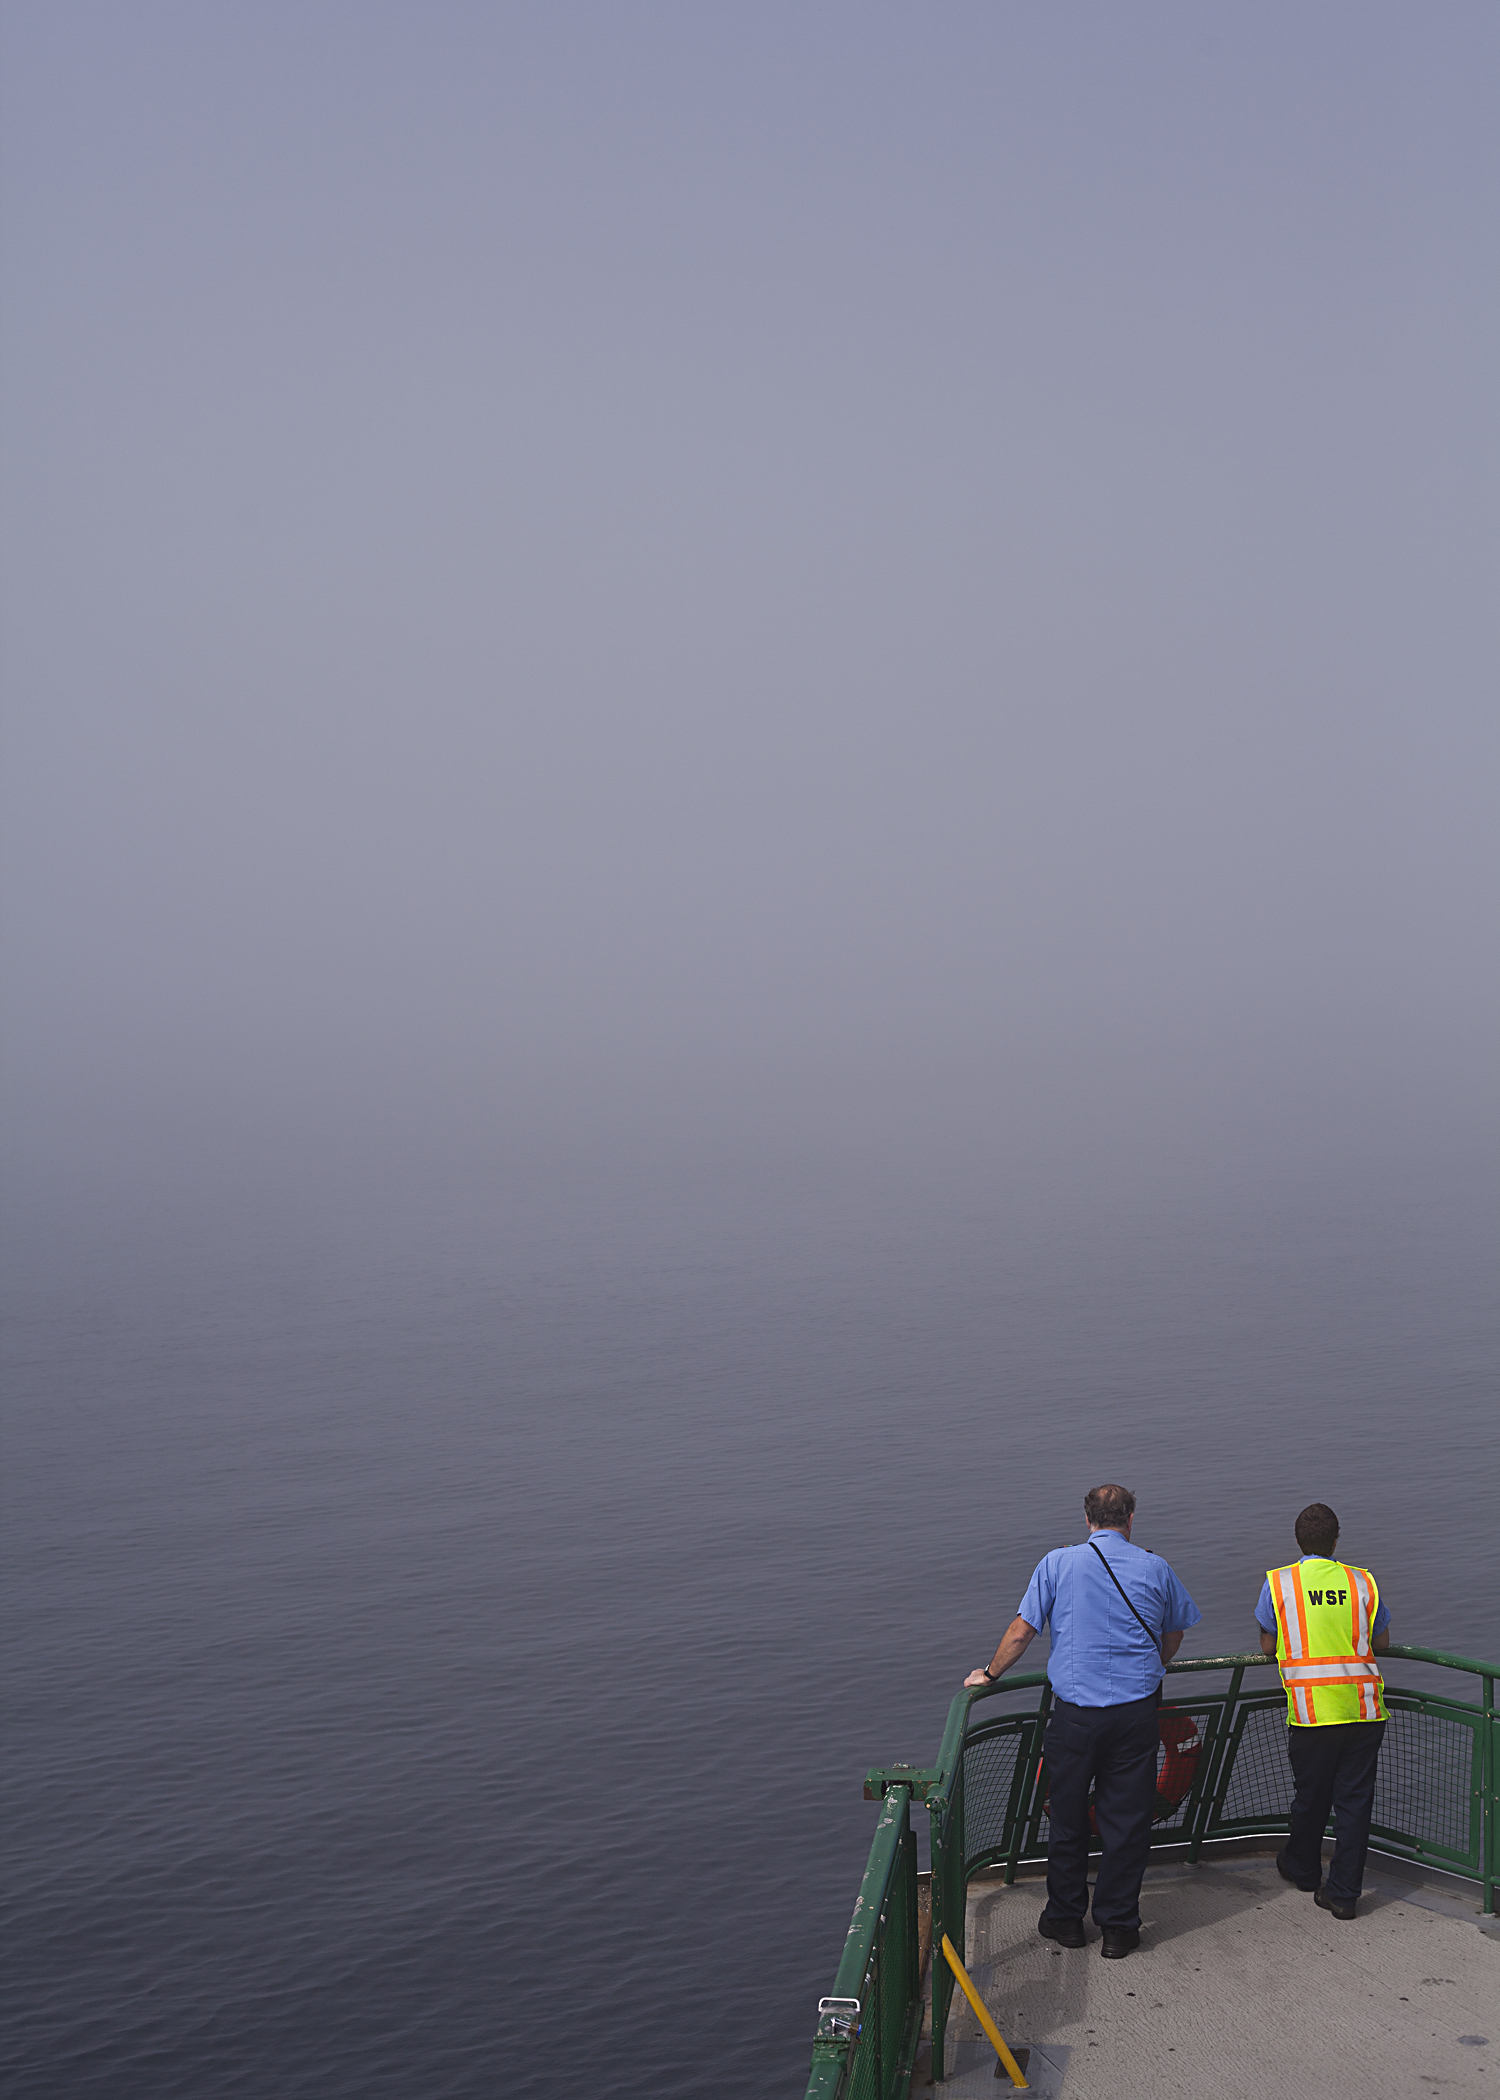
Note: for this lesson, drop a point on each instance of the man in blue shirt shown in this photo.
(1118, 1616)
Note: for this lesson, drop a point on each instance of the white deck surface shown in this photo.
(1241, 1986)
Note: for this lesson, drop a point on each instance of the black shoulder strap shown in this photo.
(1155, 1639)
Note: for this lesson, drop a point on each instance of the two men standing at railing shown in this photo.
(1118, 1615)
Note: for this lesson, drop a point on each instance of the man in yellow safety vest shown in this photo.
(1325, 1623)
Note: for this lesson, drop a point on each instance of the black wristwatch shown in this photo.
(992, 1675)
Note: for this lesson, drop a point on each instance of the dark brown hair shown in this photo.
(1110, 1506)
(1318, 1530)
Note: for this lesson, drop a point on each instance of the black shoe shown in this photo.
(1335, 1904)
(1068, 1932)
(1120, 1940)
(1290, 1874)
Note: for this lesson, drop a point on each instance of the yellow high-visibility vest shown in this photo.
(1325, 1613)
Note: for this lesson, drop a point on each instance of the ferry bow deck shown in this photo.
(1241, 1987)
(1241, 1983)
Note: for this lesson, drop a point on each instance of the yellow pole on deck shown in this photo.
(981, 2013)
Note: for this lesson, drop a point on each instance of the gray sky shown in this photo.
(884, 577)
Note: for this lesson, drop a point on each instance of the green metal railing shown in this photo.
(986, 1799)
(867, 2029)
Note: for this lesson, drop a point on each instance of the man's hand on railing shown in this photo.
(1018, 1638)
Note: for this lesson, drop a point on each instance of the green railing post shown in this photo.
(1008, 1829)
(1031, 1789)
(949, 1888)
(913, 1959)
(1218, 1750)
(1038, 1802)
(890, 1878)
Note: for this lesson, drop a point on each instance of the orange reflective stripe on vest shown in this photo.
(1325, 1616)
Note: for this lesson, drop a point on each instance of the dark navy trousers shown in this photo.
(1334, 1767)
(1111, 1749)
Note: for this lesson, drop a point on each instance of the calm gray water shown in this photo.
(447, 1637)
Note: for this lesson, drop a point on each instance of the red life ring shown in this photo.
(1181, 1746)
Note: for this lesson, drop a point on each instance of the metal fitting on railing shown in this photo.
(838, 2019)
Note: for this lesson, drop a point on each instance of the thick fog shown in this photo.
(706, 584)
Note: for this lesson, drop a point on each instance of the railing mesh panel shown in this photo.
(989, 1774)
(989, 1770)
(1260, 1785)
(1424, 1783)
(1422, 1788)
(864, 2084)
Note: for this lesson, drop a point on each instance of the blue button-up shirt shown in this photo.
(1100, 1655)
(1265, 1611)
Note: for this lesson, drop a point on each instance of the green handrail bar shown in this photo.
(1448, 1662)
(871, 2050)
